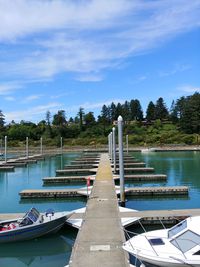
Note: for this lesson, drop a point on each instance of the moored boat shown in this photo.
(32, 225)
(178, 246)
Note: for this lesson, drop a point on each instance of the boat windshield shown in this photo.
(186, 241)
(30, 217)
(177, 229)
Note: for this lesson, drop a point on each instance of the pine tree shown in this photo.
(150, 113)
(2, 119)
(161, 111)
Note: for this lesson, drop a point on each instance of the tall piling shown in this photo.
(114, 149)
(121, 160)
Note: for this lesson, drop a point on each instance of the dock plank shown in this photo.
(104, 245)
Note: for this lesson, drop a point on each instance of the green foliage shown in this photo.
(179, 126)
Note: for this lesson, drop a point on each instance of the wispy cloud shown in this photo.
(87, 37)
(176, 69)
(8, 87)
(189, 89)
(32, 113)
(31, 98)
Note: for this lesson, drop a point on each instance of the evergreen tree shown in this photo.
(161, 111)
(113, 115)
(136, 112)
(190, 116)
(173, 112)
(2, 119)
(126, 111)
(59, 119)
(150, 113)
(104, 118)
(80, 115)
(89, 119)
(119, 110)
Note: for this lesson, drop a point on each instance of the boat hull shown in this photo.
(32, 231)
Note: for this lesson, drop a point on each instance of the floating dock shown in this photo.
(157, 190)
(104, 246)
(135, 191)
(7, 168)
(76, 171)
(80, 166)
(143, 177)
(66, 179)
(137, 170)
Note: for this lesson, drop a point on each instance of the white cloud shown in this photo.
(188, 89)
(9, 87)
(32, 113)
(31, 98)
(88, 36)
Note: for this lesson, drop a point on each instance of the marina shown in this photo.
(151, 217)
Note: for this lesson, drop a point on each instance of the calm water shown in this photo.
(182, 168)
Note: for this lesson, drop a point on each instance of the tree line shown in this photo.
(184, 114)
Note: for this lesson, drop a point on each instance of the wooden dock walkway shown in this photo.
(99, 241)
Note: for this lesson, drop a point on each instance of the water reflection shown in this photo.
(54, 250)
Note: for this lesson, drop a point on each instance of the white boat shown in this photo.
(178, 246)
(32, 225)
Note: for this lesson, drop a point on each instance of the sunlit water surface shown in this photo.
(181, 168)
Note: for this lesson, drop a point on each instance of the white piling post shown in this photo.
(111, 147)
(114, 149)
(121, 160)
(127, 144)
(27, 152)
(5, 149)
(41, 146)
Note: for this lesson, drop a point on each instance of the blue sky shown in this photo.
(66, 54)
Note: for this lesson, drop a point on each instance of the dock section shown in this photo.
(99, 241)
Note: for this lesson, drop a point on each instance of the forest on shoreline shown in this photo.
(179, 124)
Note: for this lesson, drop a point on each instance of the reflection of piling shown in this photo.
(41, 146)
(5, 151)
(121, 160)
(27, 153)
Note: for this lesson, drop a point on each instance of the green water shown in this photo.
(182, 168)
(51, 251)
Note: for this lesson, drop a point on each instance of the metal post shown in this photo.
(111, 147)
(114, 149)
(5, 151)
(27, 152)
(127, 143)
(41, 146)
(121, 160)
